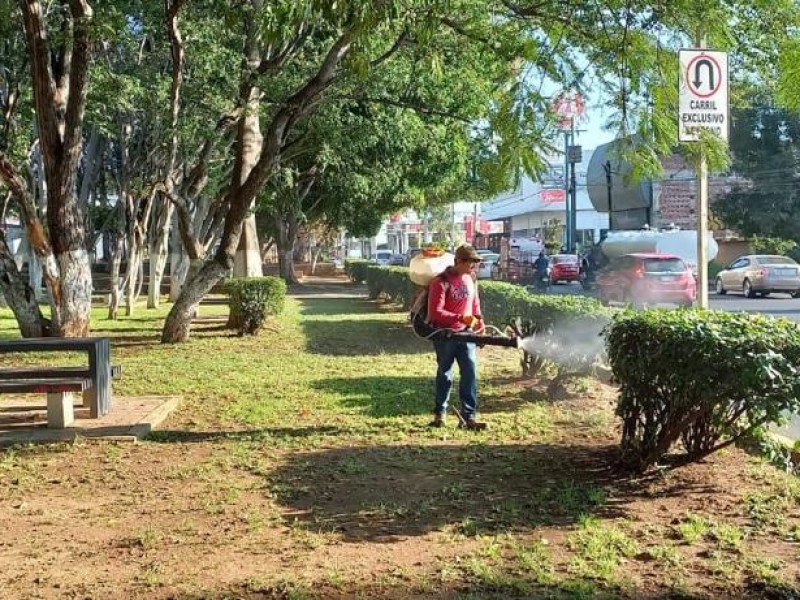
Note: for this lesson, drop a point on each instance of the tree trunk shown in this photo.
(287, 227)
(59, 93)
(316, 252)
(179, 320)
(158, 254)
(75, 293)
(34, 274)
(19, 295)
(178, 265)
(132, 273)
(247, 262)
(116, 288)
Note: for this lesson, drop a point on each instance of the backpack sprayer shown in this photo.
(423, 268)
(427, 332)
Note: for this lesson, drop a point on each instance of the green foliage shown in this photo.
(390, 282)
(356, 270)
(713, 270)
(769, 245)
(764, 144)
(252, 300)
(702, 377)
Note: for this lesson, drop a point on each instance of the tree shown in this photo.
(59, 52)
(765, 144)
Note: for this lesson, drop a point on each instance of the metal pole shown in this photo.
(702, 233)
(573, 210)
(701, 211)
(573, 198)
(453, 227)
(475, 228)
(607, 169)
(566, 187)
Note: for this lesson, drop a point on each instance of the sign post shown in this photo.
(702, 107)
(568, 107)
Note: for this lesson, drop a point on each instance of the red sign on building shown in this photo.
(548, 197)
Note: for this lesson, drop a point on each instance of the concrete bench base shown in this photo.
(60, 409)
(60, 398)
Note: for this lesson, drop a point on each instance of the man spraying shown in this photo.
(453, 303)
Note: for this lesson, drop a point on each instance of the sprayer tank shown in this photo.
(422, 268)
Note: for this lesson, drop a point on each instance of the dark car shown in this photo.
(643, 279)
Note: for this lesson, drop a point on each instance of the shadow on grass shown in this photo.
(356, 337)
(331, 290)
(165, 436)
(336, 306)
(384, 493)
(383, 396)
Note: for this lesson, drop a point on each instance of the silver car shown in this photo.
(760, 274)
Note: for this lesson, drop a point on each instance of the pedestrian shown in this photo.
(453, 303)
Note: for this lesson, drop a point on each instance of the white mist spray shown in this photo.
(571, 346)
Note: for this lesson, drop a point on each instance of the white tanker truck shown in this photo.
(667, 241)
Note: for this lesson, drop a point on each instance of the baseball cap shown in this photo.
(466, 252)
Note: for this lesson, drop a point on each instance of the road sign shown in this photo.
(703, 94)
(574, 154)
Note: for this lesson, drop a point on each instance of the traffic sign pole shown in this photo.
(703, 106)
(702, 232)
(702, 225)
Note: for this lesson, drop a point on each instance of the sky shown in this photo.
(593, 136)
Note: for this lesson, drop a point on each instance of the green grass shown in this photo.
(693, 528)
(601, 548)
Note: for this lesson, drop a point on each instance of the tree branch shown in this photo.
(401, 41)
(43, 84)
(79, 74)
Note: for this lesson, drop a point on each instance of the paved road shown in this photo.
(776, 305)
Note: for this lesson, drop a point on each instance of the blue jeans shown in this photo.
(466, 355)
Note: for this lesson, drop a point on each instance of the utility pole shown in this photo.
(475, 228)
(453, 227)
(607, 169)
(574, 155)
(567, 212)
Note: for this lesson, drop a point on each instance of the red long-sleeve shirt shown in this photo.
(448, 302)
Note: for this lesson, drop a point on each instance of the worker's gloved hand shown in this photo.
(470, 321)
(479, 327)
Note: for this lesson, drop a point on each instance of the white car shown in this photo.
(488, 261)
(760, 274)
(382, 258)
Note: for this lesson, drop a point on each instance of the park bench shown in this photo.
(61, 382)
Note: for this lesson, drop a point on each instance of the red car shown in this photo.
(642, 279)
(564, 267)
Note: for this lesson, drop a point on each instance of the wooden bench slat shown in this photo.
(36, 386)
(48, 372)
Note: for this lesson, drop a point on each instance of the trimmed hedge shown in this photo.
(356, 270)
(561, 330)
(252, 300)
(706, 378)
